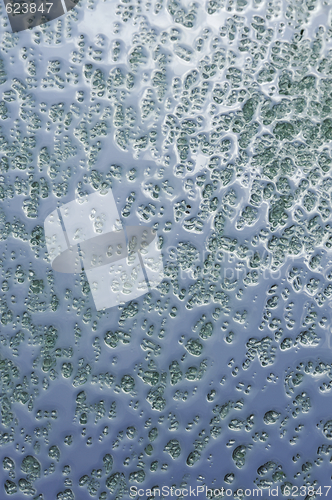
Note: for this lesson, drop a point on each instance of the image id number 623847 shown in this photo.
(302, 491)
(25, 8)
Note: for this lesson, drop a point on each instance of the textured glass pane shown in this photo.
(165, 260)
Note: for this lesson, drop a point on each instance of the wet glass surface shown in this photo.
(207, 127)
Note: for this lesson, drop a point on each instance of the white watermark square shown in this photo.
(121, 262)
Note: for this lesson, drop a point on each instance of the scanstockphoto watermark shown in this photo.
(199, 491)
(23, 15)
(223, 264)
(124, 262)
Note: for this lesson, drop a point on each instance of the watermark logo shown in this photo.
(120, 262)
(197, 491)
(28, 14)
